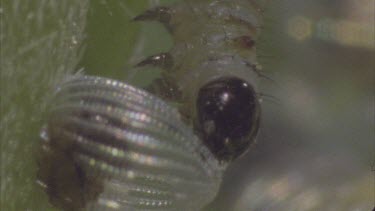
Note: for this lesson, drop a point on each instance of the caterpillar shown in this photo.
(108, 145)
(211, 70)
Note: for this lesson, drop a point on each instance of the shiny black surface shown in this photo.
(228, 116)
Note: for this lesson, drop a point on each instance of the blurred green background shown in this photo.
(316, 146)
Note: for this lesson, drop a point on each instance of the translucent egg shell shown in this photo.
(110, 146)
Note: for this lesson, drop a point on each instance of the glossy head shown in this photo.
(228, 115)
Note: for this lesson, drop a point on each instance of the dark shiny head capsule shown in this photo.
(228, 117)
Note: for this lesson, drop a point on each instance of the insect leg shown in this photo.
(162, 60)
(163, 87)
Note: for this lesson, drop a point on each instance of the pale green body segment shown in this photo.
(212, 39)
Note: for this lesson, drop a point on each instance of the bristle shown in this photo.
(162, 60)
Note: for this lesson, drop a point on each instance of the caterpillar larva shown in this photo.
(212, 70)
(110, 146)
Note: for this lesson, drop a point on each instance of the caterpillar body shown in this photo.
(212, 70)
(110, 146)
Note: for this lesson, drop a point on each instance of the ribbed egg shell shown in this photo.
(110, 146)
